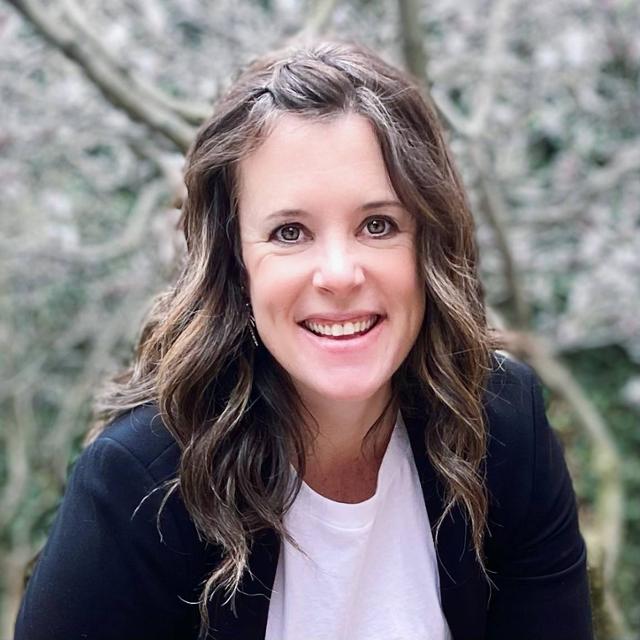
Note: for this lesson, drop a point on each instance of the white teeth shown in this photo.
(338, 329)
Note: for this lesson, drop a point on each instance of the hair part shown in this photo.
(233, 410)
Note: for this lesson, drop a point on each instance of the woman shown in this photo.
(315, 439)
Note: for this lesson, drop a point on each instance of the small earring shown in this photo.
(252, 324)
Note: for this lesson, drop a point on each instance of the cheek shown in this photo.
(274, 288)
(404, 282)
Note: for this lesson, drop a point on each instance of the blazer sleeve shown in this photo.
(541, 587)
(106, 573)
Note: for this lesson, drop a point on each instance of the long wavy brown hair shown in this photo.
(230, 406)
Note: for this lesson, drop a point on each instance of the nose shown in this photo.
(338, 269)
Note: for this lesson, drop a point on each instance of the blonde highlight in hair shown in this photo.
(230, 406)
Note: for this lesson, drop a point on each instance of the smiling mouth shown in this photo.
(342, 330)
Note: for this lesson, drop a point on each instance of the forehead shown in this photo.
(305, 162)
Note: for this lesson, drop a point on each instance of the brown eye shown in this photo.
(288, 233)
(378, 226)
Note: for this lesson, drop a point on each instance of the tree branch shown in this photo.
(116, 87)
(495, 211)
(97, 364)
(413, 49)
(317, 22)
(192, 113)
(487, 83)
(134, 233)
(16, 457)
(493, 204)
(604, 535)
(128, 241)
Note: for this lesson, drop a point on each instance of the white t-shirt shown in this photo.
(370, 569)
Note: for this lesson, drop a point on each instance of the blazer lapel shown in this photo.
(463, 588)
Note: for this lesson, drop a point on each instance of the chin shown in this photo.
(348, 389)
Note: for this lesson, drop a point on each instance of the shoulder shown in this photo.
(513, 404)
(118, 522)
(125, 480)
(512, 400)
(527, 479)
(124, 476)
(533, 548)
(509, 388)
(128, 471)
(141, 436)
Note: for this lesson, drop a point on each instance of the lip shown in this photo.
(341, 317)
(345, 346)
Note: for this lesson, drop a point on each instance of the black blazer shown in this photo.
(107, 574)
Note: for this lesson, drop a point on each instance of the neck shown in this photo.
(338, 452)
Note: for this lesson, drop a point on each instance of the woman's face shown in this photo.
(330, 255)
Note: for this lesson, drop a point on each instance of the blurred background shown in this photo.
(541, 101)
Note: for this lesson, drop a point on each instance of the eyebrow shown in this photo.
(283, 214)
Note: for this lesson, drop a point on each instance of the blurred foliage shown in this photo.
(603, 372)
(87, 230)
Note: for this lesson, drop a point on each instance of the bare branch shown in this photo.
(493, 205)
(192, 113)
(604, 534)
(570, 205)
(16, 443)
(414, 51)
(130, 239)
(95, 367)
(12, 569)
(602, 180)
(450, 114)
(115, 86)
(495, 211)
(474, 127)
(317, 22)
(149, 199)
(490, 68)
(170, 166)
